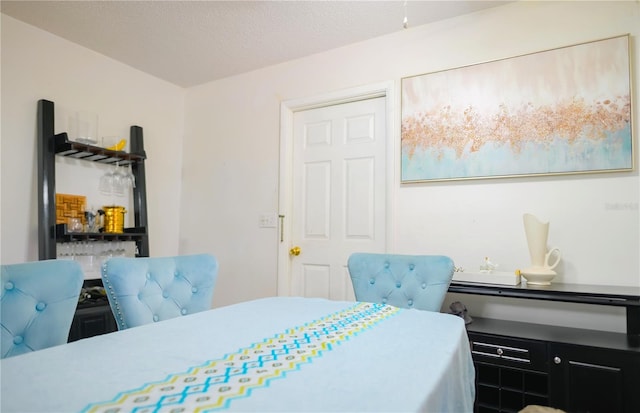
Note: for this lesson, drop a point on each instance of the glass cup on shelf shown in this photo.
(118, 181)
(75, 225)
(106, 252)
(64, 251)
(127, 180)
(114, 143)
(90, 256)
(84, 255)
(106, 183)
(83, 127)
(121, 249)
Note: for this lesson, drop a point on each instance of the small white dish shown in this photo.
(538, 275)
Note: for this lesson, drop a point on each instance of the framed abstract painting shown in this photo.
(560, 111)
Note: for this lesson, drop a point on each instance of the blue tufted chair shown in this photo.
(146, 290)
(37, 305)
(406, 281)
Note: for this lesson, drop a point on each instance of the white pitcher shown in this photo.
(541, 272)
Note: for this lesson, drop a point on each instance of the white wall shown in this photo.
(231, 164)
(229, 170)
(37, 65)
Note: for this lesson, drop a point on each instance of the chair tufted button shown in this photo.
(412, 266)
(18, 340)
(8, 285)
(156, 318)
(372, 281)
(176, 274)
(194, 290)
(424, 285)
(384, 301)
(148, 276)
(386, 264)
(398, 285)
(165, 294)
(41, 306)
(410, 303)
(183, 311)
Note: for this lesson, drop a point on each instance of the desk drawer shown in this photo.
(502, 351)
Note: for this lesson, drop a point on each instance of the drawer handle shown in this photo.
(499, 351)
(557, 360)
(595, 366)
(518, 359)
(492, 355)
(519, 350)
(480, 353)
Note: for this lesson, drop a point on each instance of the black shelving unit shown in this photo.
(51, 145)
(576, 370)
(91, 318)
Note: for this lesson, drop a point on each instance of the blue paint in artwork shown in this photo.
(490, 160)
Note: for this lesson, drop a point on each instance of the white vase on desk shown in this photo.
(541, 271)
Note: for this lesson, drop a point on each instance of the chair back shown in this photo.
(146, 290)
(37, 304)
(406, 281)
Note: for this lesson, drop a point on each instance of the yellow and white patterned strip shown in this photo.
(216, 383)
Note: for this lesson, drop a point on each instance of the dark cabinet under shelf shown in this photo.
(92, 320)
(576, 370)
(511, 373)
(504, 389)
(588, 379)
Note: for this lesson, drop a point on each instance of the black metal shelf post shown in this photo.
(140, 190)
(46, 181)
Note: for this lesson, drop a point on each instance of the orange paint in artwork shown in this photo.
(442, 128)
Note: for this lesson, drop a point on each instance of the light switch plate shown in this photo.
(267, 221)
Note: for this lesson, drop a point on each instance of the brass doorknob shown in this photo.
(294, 251)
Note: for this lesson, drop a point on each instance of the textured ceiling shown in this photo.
(192, 42)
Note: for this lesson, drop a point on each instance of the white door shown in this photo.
(338, 196)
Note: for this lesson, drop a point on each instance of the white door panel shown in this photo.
(360, 198)
(314, 280)
(338, 193)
